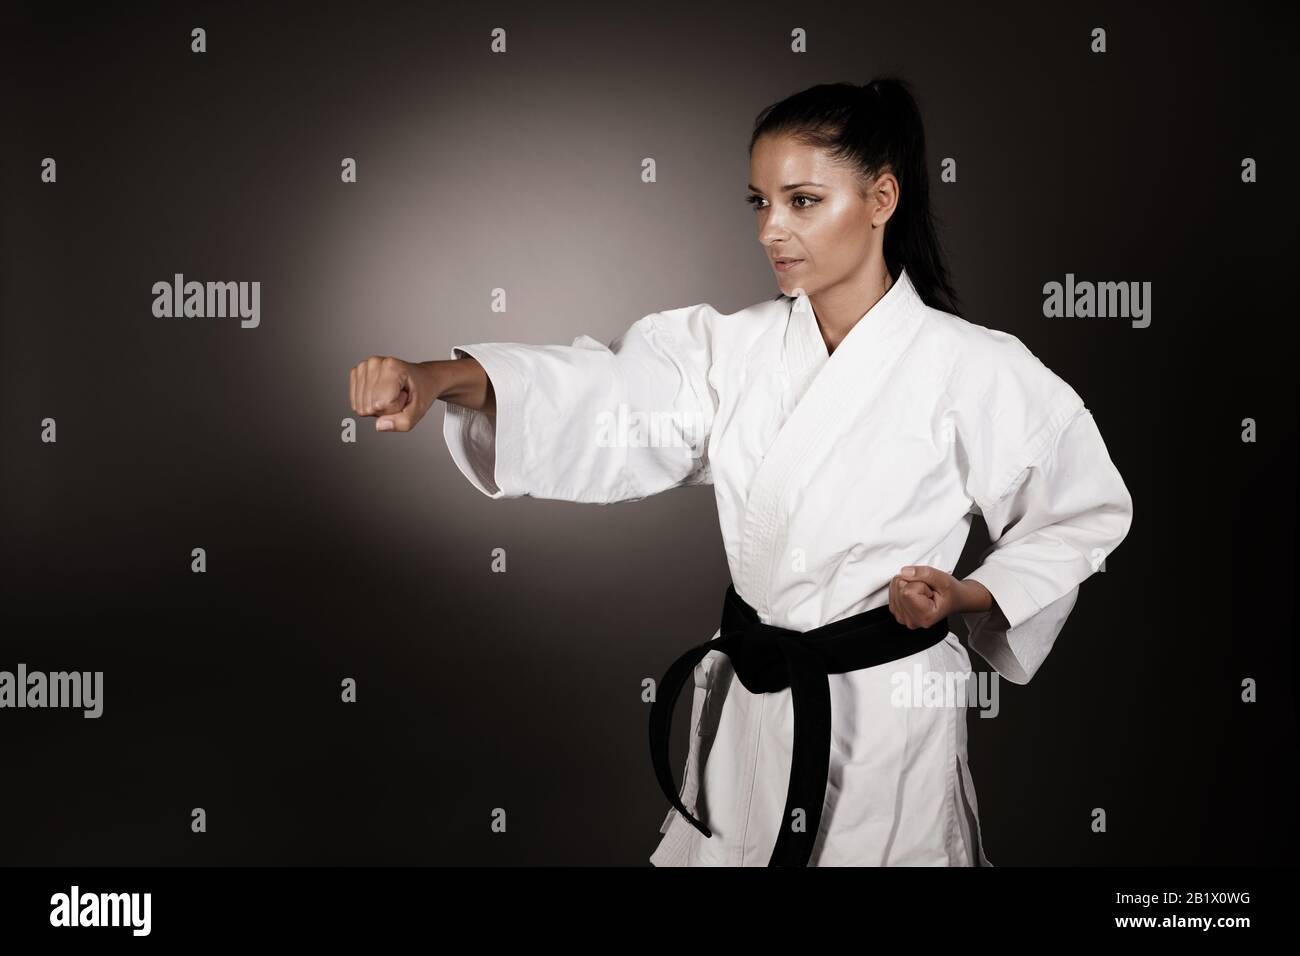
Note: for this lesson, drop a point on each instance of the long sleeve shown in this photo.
(1051, 529)
(589, 422)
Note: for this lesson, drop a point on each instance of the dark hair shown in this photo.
(871, 127)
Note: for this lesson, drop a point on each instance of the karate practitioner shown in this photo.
(850, 429)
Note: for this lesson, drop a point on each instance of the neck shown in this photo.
(843, 305)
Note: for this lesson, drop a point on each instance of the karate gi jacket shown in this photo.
(831, 473)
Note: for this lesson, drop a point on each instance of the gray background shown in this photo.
(522, 171)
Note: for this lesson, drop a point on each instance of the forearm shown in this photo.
(972, 596)
(464, 382)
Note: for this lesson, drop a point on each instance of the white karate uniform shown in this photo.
(831, 473)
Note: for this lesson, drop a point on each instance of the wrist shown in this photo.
(431, 377)
(973, 596)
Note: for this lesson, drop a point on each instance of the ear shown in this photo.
(885, 193)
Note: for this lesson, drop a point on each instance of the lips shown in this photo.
(783, 264)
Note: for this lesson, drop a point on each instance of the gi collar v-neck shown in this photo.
(877, 321)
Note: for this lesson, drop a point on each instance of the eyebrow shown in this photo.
(786, 189)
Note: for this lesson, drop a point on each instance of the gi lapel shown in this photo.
(847, 378)
(804, 354)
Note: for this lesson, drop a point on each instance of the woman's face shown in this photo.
(813, 210)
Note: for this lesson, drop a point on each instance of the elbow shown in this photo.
(1119, 520)
(1125, 510)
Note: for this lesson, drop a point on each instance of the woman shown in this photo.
(851, 427)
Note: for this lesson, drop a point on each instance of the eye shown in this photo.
(756, 201)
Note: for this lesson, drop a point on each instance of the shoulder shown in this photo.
(1006, 404)
(704, 325)
(991, 367)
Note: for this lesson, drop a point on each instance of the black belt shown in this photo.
(767, 659)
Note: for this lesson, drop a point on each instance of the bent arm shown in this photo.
(1050, 531)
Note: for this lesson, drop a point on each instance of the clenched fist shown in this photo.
(922, 595)
(398, 392)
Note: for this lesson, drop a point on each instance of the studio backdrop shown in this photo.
(304, 641)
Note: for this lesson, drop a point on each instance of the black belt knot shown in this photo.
(768, 659)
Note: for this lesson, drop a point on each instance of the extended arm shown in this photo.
(582, 422)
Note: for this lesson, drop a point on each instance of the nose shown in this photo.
(772, 230)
